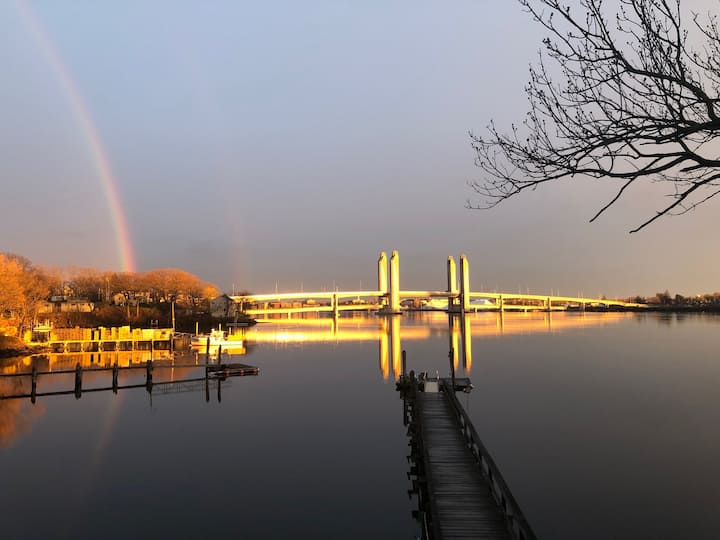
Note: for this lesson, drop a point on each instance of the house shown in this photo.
(67, 305)
(223, 306)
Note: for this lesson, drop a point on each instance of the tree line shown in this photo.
(667, 300)
(26, 288)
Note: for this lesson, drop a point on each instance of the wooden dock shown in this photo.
(101, 339)
(212, 372)
(460, 490)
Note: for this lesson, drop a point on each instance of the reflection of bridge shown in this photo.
(387, 331)
(387, 298)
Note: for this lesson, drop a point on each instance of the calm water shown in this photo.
(604, 425)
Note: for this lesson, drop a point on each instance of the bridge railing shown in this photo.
(516, 522)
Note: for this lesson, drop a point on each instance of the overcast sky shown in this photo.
(288, 143)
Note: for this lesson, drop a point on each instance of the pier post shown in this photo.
(33, 392)
(78, 380)
(148, 375)
(464, 284)
(335, 307)
(452, 357)
(500, 303)
(115, 370)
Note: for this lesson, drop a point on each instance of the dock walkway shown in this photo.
(461, 492)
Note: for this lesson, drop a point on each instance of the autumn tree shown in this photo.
(169, 284)
(87, 283)
(11, 290)
(620, 96)
(23, 289)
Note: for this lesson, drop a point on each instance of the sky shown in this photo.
(283, 145)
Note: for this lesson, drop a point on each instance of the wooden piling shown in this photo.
(148, 376)
(78, 380)
(115, 370)
(33, 391)
(452, 368)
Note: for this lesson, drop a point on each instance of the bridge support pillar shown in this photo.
(464, 284)
(394, 282)
(548, 304)
(452, 287)
(500, 303)
(382, 279)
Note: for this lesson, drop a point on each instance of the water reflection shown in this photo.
(16, 416)
(618, 409)
(63, 374)
(391, 332)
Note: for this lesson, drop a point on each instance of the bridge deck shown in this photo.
(461, 499)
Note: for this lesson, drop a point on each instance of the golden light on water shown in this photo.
(391, 332)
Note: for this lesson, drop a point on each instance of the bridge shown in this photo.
(388, 297)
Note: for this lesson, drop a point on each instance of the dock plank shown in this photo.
(463, 503)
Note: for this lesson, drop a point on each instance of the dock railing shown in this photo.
(516, 523)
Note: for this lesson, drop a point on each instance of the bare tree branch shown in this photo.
(632, 103)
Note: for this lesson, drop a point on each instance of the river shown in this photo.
(605, 425)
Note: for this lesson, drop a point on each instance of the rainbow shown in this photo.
(89, 130)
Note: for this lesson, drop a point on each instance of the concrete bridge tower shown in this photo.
(390, 292)
(394, 306)
(382, 278)
(464, 284)
(452, 286)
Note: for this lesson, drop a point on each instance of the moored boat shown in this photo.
(217, 338)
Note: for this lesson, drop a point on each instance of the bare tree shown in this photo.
(632, 102)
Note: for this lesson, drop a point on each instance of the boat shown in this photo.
(217, 338)
(434, 304)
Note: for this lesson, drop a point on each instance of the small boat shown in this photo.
(217, 338)
(434, 304)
